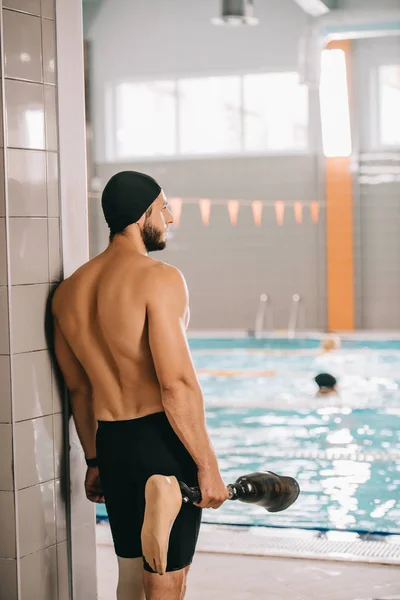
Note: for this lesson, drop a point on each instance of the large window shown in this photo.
(275, 112)
(145, 118)
(209, 115)
(389, 105)
(257, 113)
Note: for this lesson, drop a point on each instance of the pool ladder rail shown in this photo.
(264, 314)
(293, 317)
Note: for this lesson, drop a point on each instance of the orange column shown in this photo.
(339, 233)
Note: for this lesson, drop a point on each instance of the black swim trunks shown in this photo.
(129, 452)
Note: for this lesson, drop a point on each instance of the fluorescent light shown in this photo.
(315, 8)
(334, 102)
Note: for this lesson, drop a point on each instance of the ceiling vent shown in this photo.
(235, 13)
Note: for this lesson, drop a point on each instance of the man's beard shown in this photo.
(152, 238)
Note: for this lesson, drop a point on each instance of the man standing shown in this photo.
(120, 340)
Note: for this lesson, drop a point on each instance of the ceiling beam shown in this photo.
(316, 8)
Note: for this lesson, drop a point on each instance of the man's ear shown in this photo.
(141, 221)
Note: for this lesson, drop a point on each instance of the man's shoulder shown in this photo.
(162, 275)
(64, 289)
(60, 293)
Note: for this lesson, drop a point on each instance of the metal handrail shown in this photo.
(263, 311)
(294, 313)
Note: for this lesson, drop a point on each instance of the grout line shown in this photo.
(54, 479)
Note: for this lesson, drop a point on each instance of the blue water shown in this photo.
(343, 449)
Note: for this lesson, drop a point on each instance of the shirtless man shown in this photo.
(120, 340)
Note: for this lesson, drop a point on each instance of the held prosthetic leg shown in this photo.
(164, 497)
(266, 489)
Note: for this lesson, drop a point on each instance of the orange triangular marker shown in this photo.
(257, 208)
(233, 210)
(205, 210)
(279, 211)
(176, 208)
(314, 209)
(298, 212)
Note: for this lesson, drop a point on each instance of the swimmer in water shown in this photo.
(330, 342)
(327, 384)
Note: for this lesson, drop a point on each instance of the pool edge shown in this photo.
(289, 543)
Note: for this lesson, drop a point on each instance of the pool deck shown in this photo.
(238, 577)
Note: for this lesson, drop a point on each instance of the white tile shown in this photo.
(51, 117)
(3, 253)
(48, 9)
(36, 518)
(22, 46)
(39, 575)
(29, 250)
(29, 6)
(6, 462)
(32, 385)
(2, 181)
(49, 51)
(59, 449)
(52, 185)
(82, 511)
(27, 183)
(54, 250)
(70, 84)
(5, 390)
(61, 519)
(4, 330)
(84, 561)
(34, 451)
(25, 114)
(7, 525)
(63, 572)
(8, 579)
(29, 304)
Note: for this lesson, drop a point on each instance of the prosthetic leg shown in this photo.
(164, 497)
(266, 489)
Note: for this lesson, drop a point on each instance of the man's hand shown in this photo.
(94, 493)
(213, 489)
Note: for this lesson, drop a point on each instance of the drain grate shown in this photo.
(266, 543)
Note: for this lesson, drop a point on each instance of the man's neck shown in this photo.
(129, 241)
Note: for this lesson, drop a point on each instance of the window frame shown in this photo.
(376, 100)
(111, 150)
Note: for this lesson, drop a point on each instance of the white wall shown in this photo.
(226, 268)
(153, 38)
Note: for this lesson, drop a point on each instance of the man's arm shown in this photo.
(80, 391)
(167, 312)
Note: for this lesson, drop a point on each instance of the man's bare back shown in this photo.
(102, 313)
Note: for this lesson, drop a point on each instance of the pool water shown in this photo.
(344, 450)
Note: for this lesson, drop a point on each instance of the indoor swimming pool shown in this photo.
(263, 414)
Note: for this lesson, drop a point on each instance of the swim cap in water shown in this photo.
(126, 198)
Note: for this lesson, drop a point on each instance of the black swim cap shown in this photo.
(326, 380)
(126, 198)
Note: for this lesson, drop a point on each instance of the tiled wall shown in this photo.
(377, 183)
(33, 538)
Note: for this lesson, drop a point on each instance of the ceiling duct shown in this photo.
(235, 13)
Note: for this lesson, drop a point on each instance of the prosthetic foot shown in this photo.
(163, 503)
(272, 492)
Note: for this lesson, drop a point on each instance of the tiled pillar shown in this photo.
(35, 523)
